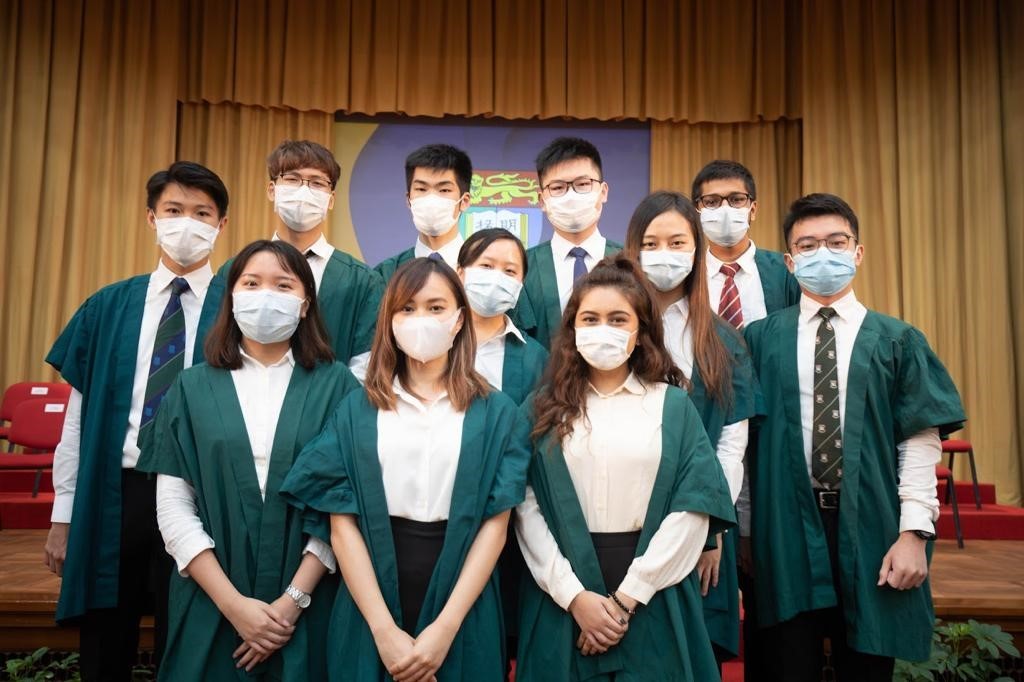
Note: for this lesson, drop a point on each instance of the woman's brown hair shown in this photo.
(309, 342)
(387, 360)
(562, 397)
(710, 354)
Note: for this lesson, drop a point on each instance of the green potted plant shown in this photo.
(961, 651)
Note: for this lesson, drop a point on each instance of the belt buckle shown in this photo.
(828, 499)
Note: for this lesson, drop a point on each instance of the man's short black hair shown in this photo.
(440, 157)
(814, 205)
(721, 169)
(192, 175)
(564, 149)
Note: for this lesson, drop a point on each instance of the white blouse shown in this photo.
(613, 457)
(490, 354)
(261, 390)
(418, 444)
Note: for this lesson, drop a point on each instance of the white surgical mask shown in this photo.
(574, 212)
(490, 292)
(433, 215)
(666, 269)
(301, 208)
(725, 225)
(266, 316)
(603, 347)
(424, 337)
(185, 240)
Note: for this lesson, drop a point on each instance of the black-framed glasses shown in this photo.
(296, 180)
(736, 200)
(581, 185)
(836, 242)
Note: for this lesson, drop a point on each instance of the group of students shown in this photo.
(367, 474)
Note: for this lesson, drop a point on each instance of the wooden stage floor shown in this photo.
(984, 581)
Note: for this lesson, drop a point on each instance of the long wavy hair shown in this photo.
(710, 354)
(387, 360)
(561, 399)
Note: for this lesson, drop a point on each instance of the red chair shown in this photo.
(946, 474)
(36, 427)
(27, 390)
(953, 446)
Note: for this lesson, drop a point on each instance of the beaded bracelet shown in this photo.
(628, 612)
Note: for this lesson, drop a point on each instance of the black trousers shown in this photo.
(110, 637)
(418, 545)
(797, 645)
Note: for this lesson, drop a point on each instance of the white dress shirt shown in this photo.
(318, 259)
(748, 283)
(449, 252)
(594, 245)
(732, 442)
(261, 391)
(67, 452)
(418, 444)
(613, 457)
(917, 455)
(490, 354)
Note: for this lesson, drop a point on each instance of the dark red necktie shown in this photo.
(729, 307)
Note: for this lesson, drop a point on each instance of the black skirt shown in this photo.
(615, 552)
(417, 546)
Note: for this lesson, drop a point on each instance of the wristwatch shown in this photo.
(924, 535)
(301, 599)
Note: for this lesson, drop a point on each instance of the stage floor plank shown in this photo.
(984, 581)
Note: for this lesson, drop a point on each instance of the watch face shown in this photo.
(304, 601)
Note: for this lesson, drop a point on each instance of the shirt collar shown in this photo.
(593, 245)
(745, 261)
(198, 280)
(510, 328)
(630, 385)
(845, 307)
(250, 361)
(319, 248)
(449, 252)
(680, 307)
(408, 397)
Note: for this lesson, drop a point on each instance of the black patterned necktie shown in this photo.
(827, 436)
(168, 353)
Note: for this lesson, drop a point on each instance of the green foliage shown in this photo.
(961, 651)
(33, 668)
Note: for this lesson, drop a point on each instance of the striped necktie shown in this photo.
(729, 307)
(168, 353)
(827, 435)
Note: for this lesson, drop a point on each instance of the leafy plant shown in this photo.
(35, 667)
(961, 651)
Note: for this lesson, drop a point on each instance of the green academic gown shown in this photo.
(780, 288)
(340, 473)
(722, 603)
(96, 353)
(201, 437)
(896, 388)
(538, 312)
(523, 366)
(667, 639)
(348, 297)
(386, 268)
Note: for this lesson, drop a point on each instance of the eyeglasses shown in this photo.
(296, 180)
(583, 185)
(736, 200)
(836, 243)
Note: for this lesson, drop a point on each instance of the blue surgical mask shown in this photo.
(824, 273)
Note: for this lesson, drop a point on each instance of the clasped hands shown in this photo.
(602, 622)
(264, 628)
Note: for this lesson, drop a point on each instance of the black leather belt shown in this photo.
(828, 500)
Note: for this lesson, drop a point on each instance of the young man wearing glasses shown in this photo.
(573, 192)
(437, 178)
(303, 176)
(843, 480)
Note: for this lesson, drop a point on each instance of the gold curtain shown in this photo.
(87, 113)
(730, 60)
(912, 113)
(771, 150)
(233, 141)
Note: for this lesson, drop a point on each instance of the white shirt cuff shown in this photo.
(566, 589)
(62, 506)
(322, 551)
(916, 516)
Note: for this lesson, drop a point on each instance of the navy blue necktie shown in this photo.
(435, 256)
(579, 268)
(168, 352)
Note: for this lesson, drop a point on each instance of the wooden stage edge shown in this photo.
(983, 581)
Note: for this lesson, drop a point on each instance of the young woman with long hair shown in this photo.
(248, 592)
(419, 472)
(623, 488)
(664, 237)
